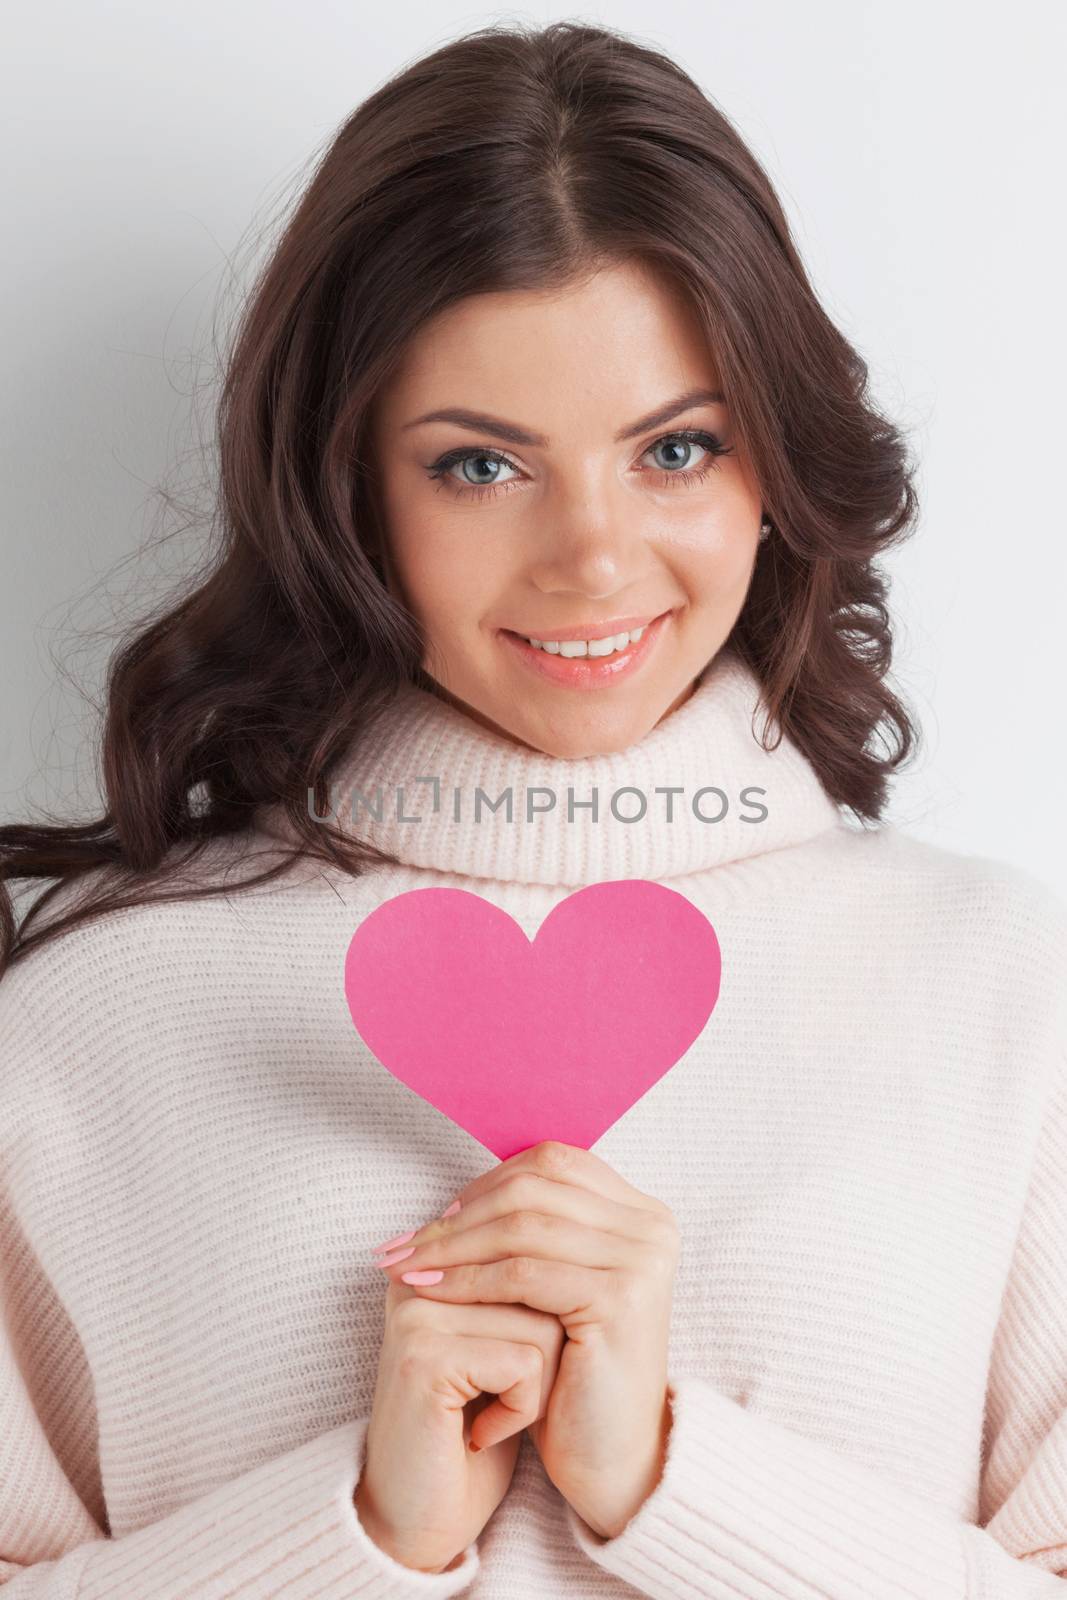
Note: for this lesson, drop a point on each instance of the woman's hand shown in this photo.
(556, 1229)
(423, 1495)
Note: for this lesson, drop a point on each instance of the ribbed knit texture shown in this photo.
(865, 1151)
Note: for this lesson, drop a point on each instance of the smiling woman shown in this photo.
(543, 472)
(592, 525)
(488, 389)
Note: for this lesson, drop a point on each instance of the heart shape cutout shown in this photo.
(520, 1040)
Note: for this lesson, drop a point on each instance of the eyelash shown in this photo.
(683, 477)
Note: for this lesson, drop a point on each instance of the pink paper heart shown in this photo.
(518, 1040)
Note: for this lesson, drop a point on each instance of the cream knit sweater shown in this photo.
(865, 1151)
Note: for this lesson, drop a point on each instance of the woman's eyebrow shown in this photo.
(479, 422)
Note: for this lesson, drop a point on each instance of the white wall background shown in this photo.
(919, 151)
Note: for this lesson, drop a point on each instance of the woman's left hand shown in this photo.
(557, 1229)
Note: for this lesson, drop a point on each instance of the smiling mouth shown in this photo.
(579, 662)
(592, 640)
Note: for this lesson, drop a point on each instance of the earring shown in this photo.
(765, 530)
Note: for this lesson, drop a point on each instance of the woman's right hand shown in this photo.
(423, 1496)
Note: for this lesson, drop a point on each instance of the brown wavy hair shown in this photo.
(514, 157)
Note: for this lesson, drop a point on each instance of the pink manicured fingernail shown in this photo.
(421, 1277)
(397, 1255)
(453, 1208)
(401, 1238)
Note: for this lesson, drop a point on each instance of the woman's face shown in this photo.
(556, 502)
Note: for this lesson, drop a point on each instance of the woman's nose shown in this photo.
(593, 544)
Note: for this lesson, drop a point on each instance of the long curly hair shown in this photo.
(514, 157)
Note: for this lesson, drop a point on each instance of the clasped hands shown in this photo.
(557, 1229)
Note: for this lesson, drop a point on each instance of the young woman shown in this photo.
(542, 473)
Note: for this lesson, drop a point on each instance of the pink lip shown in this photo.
(589, 630)
(581, 672)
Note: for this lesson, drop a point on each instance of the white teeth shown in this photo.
(590, 647)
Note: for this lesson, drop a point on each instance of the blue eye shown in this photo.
(677, 441)
(484, 457)
(479, 459)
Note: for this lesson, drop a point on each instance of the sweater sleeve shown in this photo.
(752, 1510)
(286, 1527)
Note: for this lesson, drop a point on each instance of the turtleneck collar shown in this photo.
(426, 765)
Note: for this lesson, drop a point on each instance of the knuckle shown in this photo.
(534, 1357)
(406, 1313)
(628, 1294)
(416, 1352)
(524, 1190)
(412, 1318)
(665, 1231)
(658, 1228)
(661, 1267)
(517, 1269)
(552, 1158)
(554, 1338)
(520, 1224)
